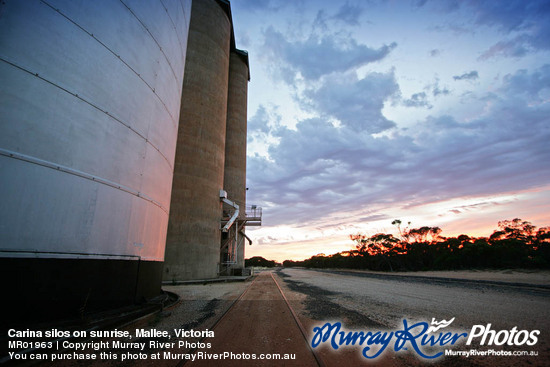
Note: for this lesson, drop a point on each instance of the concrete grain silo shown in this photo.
(90, 98)
(193, 241)
(232, 248)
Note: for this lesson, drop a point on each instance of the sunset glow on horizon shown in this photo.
(432, 112)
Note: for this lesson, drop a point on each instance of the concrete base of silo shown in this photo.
(194, 262)
(40, 289)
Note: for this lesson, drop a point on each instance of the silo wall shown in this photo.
(236, 134)
(89, 113)
(193, 241)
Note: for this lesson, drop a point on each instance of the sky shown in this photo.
(360, 112)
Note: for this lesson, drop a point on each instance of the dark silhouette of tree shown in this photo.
(290, 263)
(259, 261)
(403, 233)
(516, 243)
(515, 229)
(541, 257)
(424, 234)
(381, 245)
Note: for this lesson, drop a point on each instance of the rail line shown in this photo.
(303, 332)
(300, 326)
(201, 340)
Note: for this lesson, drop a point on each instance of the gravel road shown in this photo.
(374, 303)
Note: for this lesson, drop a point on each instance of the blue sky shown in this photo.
(361, 112)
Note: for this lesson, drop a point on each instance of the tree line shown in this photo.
(515, 244)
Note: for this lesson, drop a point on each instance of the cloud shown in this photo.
(511, 15)
(524, 23)
(419, 3)
(261, 5)
(317, 166)
(259, 123)
(527, 19)
(529, 85)
(418, 100)
(261, 127)
(472, 75)
(321, 20)
(317, 169)
(321, 168)
(445, 6)
(349, 14)
(244, 40)
(356, 103)
(503, 149)
(537, 38)
(436, 89)
(516, 47)
(315, 57)
(540, 38)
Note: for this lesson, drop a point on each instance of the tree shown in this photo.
(381, 244)
(289, 263)
(403, 234)
(515, 229)
(425, 234)
(260, 261)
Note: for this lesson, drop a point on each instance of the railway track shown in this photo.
(260, 322)
(316, 355)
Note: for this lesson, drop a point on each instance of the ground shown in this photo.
(266, 315)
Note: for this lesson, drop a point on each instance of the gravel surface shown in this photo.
(200, 305)
(366, 301)
(533, 277)
(324, 296)
(199, 308)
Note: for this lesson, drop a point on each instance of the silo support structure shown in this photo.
(234, 215)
